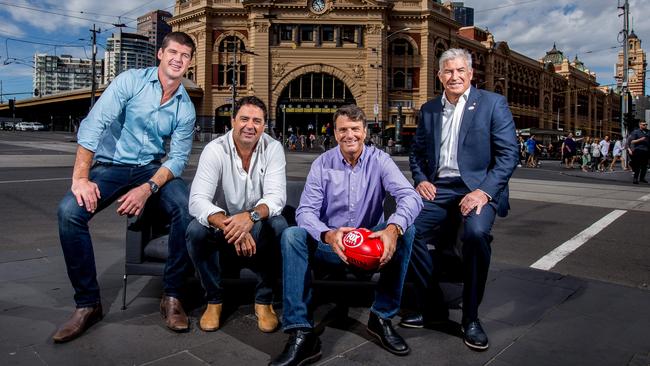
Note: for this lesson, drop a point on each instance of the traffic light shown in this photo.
(36, 92)
(12, 106)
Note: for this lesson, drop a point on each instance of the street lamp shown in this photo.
(284, 123)
(377, 66)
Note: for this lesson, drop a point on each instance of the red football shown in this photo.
(363, 252)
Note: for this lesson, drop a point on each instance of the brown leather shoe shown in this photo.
(267, 320)
(172, 311)
(81, 319)
(210, 319)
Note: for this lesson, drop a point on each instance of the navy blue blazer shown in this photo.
(487, 145)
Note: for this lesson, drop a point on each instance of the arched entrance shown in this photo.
(308, 102)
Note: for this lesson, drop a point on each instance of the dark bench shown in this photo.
(146, 244)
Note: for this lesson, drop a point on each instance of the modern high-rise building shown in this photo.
(54, 74)
(637, 66)
(127, 51)
(463, 14)
(154, 25)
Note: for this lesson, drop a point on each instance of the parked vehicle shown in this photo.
(30, 126)
(7, 125)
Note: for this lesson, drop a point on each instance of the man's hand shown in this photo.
(427, 190)
(133, 201)
(473, 200)
(335, 239)
(237, 226)
(388, 236)
(246, 245)
(86, 192)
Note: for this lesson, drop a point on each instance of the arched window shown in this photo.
(231, 59)
(402, 70)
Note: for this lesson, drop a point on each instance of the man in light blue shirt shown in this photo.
(121, 144)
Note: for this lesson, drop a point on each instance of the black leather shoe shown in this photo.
(417, 320)
(382, 329)
(302, 348)
(474, 335)
(643, 181)
(634, 181)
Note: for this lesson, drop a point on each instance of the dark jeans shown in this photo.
(476, 247)
(114, 181)
(210, 250)
(640, 164)
(299, 249)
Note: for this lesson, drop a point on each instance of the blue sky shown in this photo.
(588, 28)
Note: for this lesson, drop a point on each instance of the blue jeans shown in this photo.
(299, 250)
(210, 250)
(114, 181)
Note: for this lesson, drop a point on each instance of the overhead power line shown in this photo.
(53, 12)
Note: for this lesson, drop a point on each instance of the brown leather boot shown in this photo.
(267, 320)
(81, 319)
(172, 311)
(210, 319)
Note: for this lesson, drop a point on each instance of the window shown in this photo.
(306, 33)
(286, 32)
(327, 32)
(348, 33)
(401, 47)
(230, 59)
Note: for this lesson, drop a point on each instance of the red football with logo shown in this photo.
(363, 252)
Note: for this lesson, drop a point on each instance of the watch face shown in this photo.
(318, 6)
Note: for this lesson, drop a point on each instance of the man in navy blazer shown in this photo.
(463, 155)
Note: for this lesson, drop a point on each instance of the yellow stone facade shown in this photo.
(306, 57)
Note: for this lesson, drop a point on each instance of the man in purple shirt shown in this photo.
(345, 189)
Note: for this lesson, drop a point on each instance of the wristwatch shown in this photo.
(154, 187)
(255, 216)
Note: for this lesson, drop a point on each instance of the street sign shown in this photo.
(376, 109)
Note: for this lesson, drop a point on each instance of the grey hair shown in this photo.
(454, 53)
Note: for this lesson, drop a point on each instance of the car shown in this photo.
(29, 126)
(7, 126)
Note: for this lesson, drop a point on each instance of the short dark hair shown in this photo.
(353, 112)
(179, 37)
(250, 100)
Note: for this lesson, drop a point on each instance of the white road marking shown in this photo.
(556, 255)
(33, 180)
(645, 198)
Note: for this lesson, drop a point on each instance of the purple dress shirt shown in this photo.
(336, 194)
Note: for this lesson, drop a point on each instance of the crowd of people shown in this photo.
(593, 154)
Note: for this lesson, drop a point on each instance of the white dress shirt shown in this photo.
(452, 116)
(222, 185)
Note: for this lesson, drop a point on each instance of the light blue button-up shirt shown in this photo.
(129, 126)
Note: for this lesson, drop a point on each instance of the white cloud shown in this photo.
(585, 28)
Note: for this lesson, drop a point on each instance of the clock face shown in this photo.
(318, 6)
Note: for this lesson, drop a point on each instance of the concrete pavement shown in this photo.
(532, 317)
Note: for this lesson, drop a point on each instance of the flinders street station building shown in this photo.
(304, 58)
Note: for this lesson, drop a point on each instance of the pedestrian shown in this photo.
(568, 151)
(639, 146)
(595, 154)
(460, 172)
(237, 212)
(604, 153)
(586, 159)
(152, 106)
(617, 154)
(531, 149)
(312, 140)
